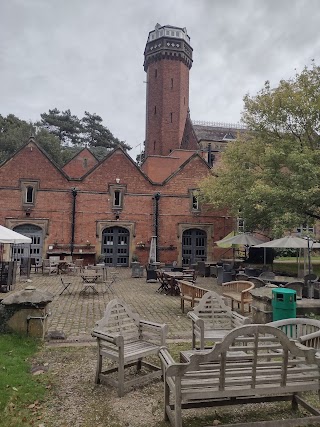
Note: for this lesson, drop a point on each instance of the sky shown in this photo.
(88, 55)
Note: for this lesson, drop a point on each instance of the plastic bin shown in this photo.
(284, 304)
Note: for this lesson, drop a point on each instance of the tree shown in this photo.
(272, 174)
(15, 132)
(97, 135)
(63, 124)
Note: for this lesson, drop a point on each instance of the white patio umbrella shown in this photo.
(291, 242)
(10, 236)
(245, 239)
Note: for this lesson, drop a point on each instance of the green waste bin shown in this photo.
(284, 305)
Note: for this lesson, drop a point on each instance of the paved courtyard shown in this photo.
(75, 314)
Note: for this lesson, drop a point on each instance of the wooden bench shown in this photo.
(212, 320)
(126, 339)
(306, 331)
(253, 364)
(238, 291)
(190, 292)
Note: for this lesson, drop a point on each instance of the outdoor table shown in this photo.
(89, 282)
(62, 267)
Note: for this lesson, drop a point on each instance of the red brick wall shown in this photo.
(80, 164)
(93, 202)
(167, 99)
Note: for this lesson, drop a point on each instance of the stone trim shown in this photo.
(42, 223)
(207, 227)
(130, 226)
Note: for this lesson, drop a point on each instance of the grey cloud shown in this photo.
(89, 55)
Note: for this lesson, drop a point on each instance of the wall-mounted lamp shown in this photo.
(117, 180)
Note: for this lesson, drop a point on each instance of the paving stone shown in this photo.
(75, 315)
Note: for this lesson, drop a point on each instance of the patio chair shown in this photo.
(164, 285)
(309, 281)
(189, 275)
(258, 282)
(35, 265)
(65, 285)
(49, 267)
(297, 286)
(267, 275)
(212, 320)
(124, 338)
(110, 281)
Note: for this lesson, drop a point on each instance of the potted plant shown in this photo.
(135, 258)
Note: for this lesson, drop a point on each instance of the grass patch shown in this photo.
(19, 389)
(288, 266)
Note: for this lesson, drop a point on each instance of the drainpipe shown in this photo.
(73, 222)
(156, 221)
(209, 155)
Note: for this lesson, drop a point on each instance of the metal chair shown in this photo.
(164, 285)
(65, 286)
(108, 283)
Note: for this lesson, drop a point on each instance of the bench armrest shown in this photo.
(152, 330)
(116, 339)
(165, 357)
(311, 340)
(193, 316)
(170, 367)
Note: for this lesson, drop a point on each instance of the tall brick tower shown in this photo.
(167, 61)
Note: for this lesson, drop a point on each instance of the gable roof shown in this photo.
(107, 158)
(194, 156)
(83, 150)
(32, 142)
(189, 139)
(160, 168)
(76, 167)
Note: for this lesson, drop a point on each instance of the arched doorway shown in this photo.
(35, 249)
(194, 246)
(115, 246)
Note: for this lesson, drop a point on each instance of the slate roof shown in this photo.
(208, 132)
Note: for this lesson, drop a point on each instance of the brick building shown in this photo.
(111, 209)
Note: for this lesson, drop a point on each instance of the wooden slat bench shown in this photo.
(253, 363)
(305, 331)
(238, 291)
(212, 319)
(190, 292)
(124, 338)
